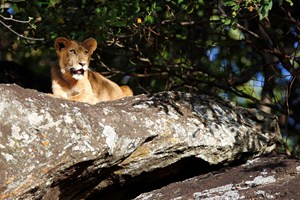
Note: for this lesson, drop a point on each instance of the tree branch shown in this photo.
(18, 34)
(16, 20)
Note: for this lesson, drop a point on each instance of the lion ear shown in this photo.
(90, 44)
(60, 43)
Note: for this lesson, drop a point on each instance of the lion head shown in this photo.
(74, 57)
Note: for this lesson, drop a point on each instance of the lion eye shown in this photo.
(72, 51)
(85, 52)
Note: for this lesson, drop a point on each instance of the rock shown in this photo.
(51, 148)
(266, 177)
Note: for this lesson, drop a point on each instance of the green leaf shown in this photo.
(184, 6)
(149, 19)
(137, 8)
(101, 10)
(290, 1)
(97, 10)
(263, 11)
(226, 21)
(230, 3)
(235, 8)
(191, 10)
(53, 2)
(201, 2)
(179, 2)
(236, 34)
(165, 55)
(181, 37)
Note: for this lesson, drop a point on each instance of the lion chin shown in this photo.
(72, 79)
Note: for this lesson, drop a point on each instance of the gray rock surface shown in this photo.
(267, 177)
(51, 148)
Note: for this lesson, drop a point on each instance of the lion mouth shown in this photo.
(77, 72)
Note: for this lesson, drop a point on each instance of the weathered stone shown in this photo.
(56, 149)
(266, 177)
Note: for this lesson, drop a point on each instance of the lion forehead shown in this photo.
(72, 44)
(81, 52)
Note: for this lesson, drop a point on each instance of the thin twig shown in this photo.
(16, 20)
(248, 31)
(18, 34)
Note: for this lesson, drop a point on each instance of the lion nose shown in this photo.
(82, 64)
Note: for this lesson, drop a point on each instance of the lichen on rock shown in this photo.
(51, 147)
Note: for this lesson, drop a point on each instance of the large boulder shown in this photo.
(52, 148)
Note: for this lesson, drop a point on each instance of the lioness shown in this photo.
(72, 79)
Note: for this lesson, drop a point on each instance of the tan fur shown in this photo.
(72, 79)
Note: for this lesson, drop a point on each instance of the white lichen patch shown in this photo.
(250, 162)
(34, 119)
(3, 106)
(83, 146)
(88, 145)
(173, 115)
(58, 129)
(298, 169)
(88, 128)
(30, 168)
(61, 153)
(151, 132)
(29, 99)
(75, 137)
(15, 132)
(67, 146)
(149, 123)
(220, 189)
(222, 192)
(110, 137)
(209, 115)
(106, 111)
(126, 146)
(225, 135)
(11, 142)
(7, 157)
(163, 126)
(179, 130)
(133, 118)
(48, 154)
(141, 106)
(75, 109)
(68, 119)
(260, 180)
(64, 105)
(51, 123)
(219, 111)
